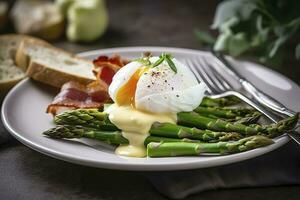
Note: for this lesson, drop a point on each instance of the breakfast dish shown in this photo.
(23, 114)
(155, 108)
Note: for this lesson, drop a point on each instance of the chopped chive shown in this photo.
(171, 64)
(145, 60)
(158, 62)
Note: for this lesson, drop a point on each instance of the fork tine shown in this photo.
(207, 70)
(206, 76)
(206, 79)
(189, 65)
(198, 69)
(194, 68)
(226, 83)
(220, 81)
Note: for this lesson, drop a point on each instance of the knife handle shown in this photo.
(266, 100)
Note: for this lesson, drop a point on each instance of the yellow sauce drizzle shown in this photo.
(135, 126)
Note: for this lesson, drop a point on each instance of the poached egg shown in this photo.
(144, 94)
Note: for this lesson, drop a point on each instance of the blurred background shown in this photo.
(265, 31)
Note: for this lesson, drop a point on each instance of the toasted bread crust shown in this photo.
(43, 73)
(52, 76)
(21, 57)
(36, 70)
(15, 42)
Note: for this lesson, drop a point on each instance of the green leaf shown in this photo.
(262, 34)
(238, 44)
(297, 51)
(171, 64)
(232, 8)
(159, 61)
(284, 33)
(205, 37)
(277, 44)
(256, 27)
(229, 24)
(222, 41)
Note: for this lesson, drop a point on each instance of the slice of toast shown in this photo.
(10, 74)
(53, 66)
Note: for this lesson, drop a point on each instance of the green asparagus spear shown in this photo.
(246, 120)
(193, 119)
(110, 137)
(238, 120)
(220, 102)
(166, 139)
(227, 113)
(86, 117)
(244, 116)
(80, 117)
(161, 146)
(176, 131)
(92, 118)
(167, 149)
(70, 132)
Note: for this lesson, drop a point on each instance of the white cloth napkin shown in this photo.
(280, 167)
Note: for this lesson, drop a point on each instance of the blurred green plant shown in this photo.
(256, 28)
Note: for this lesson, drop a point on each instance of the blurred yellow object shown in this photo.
(38, 17)
(87, 20)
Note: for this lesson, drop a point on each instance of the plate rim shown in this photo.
(131, 166)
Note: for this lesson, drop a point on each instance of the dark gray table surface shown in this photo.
(26, 174)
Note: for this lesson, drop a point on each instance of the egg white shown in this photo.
(122, 77)
(161, 90)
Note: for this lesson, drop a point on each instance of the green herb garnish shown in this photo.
(171, 63)
(168, 58)
(145, 60)
(158, 62)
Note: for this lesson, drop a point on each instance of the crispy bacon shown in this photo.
(75, 95)
(106, 67)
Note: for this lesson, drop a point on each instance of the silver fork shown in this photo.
(218, 87)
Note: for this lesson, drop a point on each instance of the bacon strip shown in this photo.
(75, 95)
(106, 67)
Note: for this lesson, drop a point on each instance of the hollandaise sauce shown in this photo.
(135, 126)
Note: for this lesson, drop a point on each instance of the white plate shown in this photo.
(23, 114)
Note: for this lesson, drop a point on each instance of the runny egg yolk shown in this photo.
(126, 93)
(135, 124)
